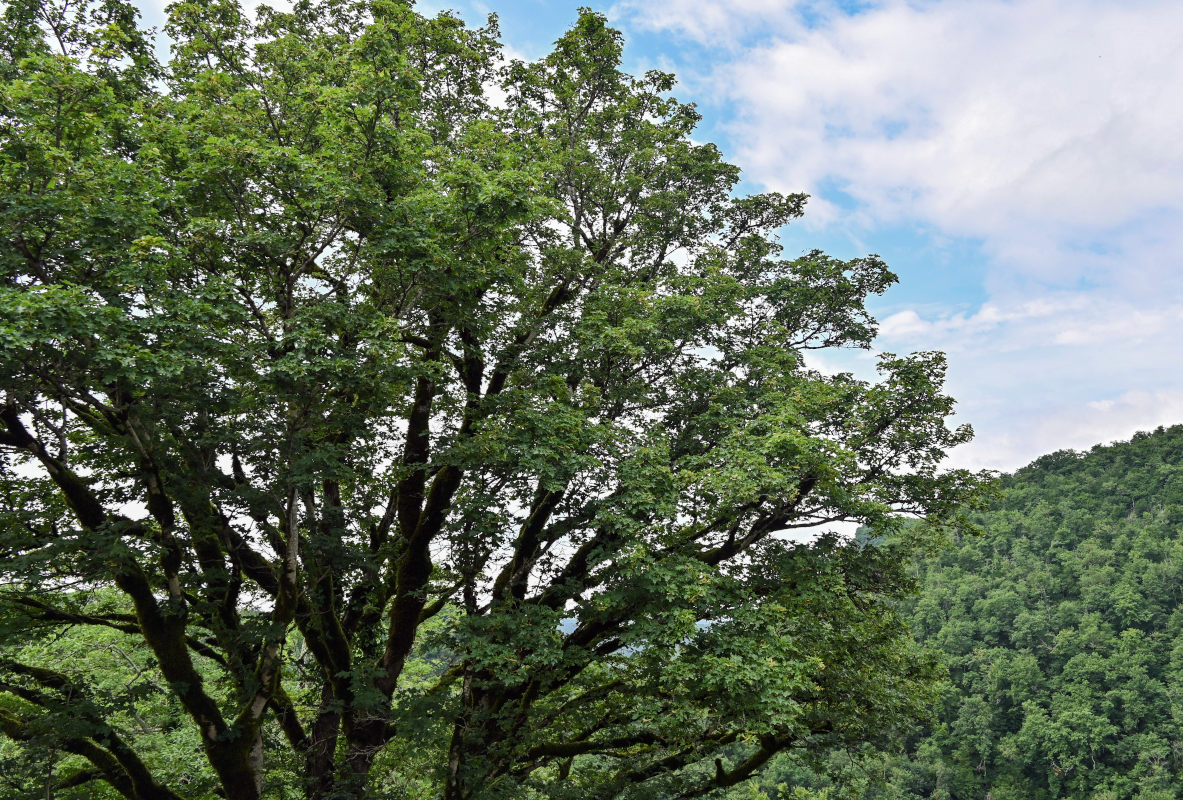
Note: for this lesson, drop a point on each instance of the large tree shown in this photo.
(404, 413)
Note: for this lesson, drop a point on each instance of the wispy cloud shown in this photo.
(721, 23)
(1060, 372)
(1046, 128)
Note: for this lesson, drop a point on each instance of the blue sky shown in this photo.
(1019, 164)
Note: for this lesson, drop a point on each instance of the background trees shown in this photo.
(1064, 667)
(1060, 626)
(387, 420)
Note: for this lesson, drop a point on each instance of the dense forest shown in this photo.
(1063, 633)
(1060, 625)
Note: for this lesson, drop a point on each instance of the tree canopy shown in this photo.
(424, 424)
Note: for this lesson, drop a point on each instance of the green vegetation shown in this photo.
(1061, 627)
(1059, 623)
(1063, 633)
(360, 437)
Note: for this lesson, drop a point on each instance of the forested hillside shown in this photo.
(1063, 634)
(1061, 628)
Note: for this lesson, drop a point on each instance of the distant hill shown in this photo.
(1062, 629)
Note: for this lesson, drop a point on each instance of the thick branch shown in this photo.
(118, 764)
(120, 622)
(164, 631)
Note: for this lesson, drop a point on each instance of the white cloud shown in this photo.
(1048, 314)
(1072, 427)
(1044, 127)
(1070, 320)
(714, 22)
(1064, 371)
